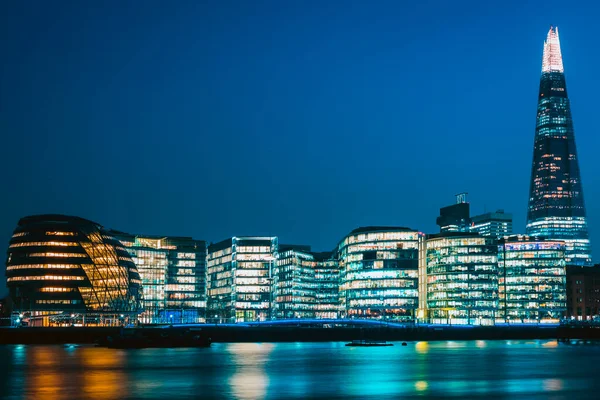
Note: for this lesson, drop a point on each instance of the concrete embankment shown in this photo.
(84, 335)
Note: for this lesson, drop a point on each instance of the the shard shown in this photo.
(556, 207)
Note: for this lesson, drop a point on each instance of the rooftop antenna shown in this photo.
(461, 198)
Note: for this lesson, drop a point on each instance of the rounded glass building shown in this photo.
(379, 273)
(68, 270)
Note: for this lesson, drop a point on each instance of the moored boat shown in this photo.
(369, 343)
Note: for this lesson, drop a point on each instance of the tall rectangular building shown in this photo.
(173, 274)
(495, 224)
(240, 276)
(556, 207)
(294, 284)
(531, 280)
(327, 285)
(459, 275)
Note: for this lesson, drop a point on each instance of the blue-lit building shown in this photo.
(327, 285)
(240, 279)
(495, 224)
(556, 206)
(294, 284)
(173, 273)
(379, 273)
(458, 274)
(531, 280)
(305, 284)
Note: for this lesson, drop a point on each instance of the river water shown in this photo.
(484, 369)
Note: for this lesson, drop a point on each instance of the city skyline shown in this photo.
(345, 157)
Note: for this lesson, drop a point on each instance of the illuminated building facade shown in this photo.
(531, 280)
(556, 207)
(459, 276)
(294, 284)
(379, 273)
(305, 284)
(456, 217)
(327, 284)
(240, 276)
(495, 224)
(64, 270)
(583, 292)
(173, 273)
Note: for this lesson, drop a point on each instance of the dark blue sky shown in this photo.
(298, 119)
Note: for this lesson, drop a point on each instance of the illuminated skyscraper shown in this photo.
(556, 207)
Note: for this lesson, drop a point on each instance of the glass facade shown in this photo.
(460, 275)
(173, 273)
(327, 283)
(294, 285)
(531, 280)
(379, 273)
(306, 285)
(240, 277)
(556, 207)
(495, 224)
(65, 270)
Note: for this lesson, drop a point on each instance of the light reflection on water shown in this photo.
(532, 369)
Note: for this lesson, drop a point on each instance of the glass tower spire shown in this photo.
(556, 207)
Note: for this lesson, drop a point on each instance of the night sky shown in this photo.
(298, 119)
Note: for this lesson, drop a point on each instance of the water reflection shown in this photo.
(249, 381)
(303, 370)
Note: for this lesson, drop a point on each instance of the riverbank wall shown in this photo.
(228, 334)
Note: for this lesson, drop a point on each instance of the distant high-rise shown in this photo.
(495, 224)
(556, 207)
(455, 218)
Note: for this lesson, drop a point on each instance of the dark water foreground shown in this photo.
(542, 369)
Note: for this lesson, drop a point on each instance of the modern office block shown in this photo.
(556, 206)
(456, 217)
(495, 224)
(459, 272)
(327, 284)
(531, 280)
(294, 284)
(240, 277)
(64, 270)
(173, 273)
(379, 273)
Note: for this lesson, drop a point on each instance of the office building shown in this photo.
(556, 206)
(531, 280)
(495, 224)
(173, 273)
(294, 283)
(327, 284)
(240, 279)
(583, 293)
(379, 273)
(456, 217)
(459, 279)
(64, 270)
